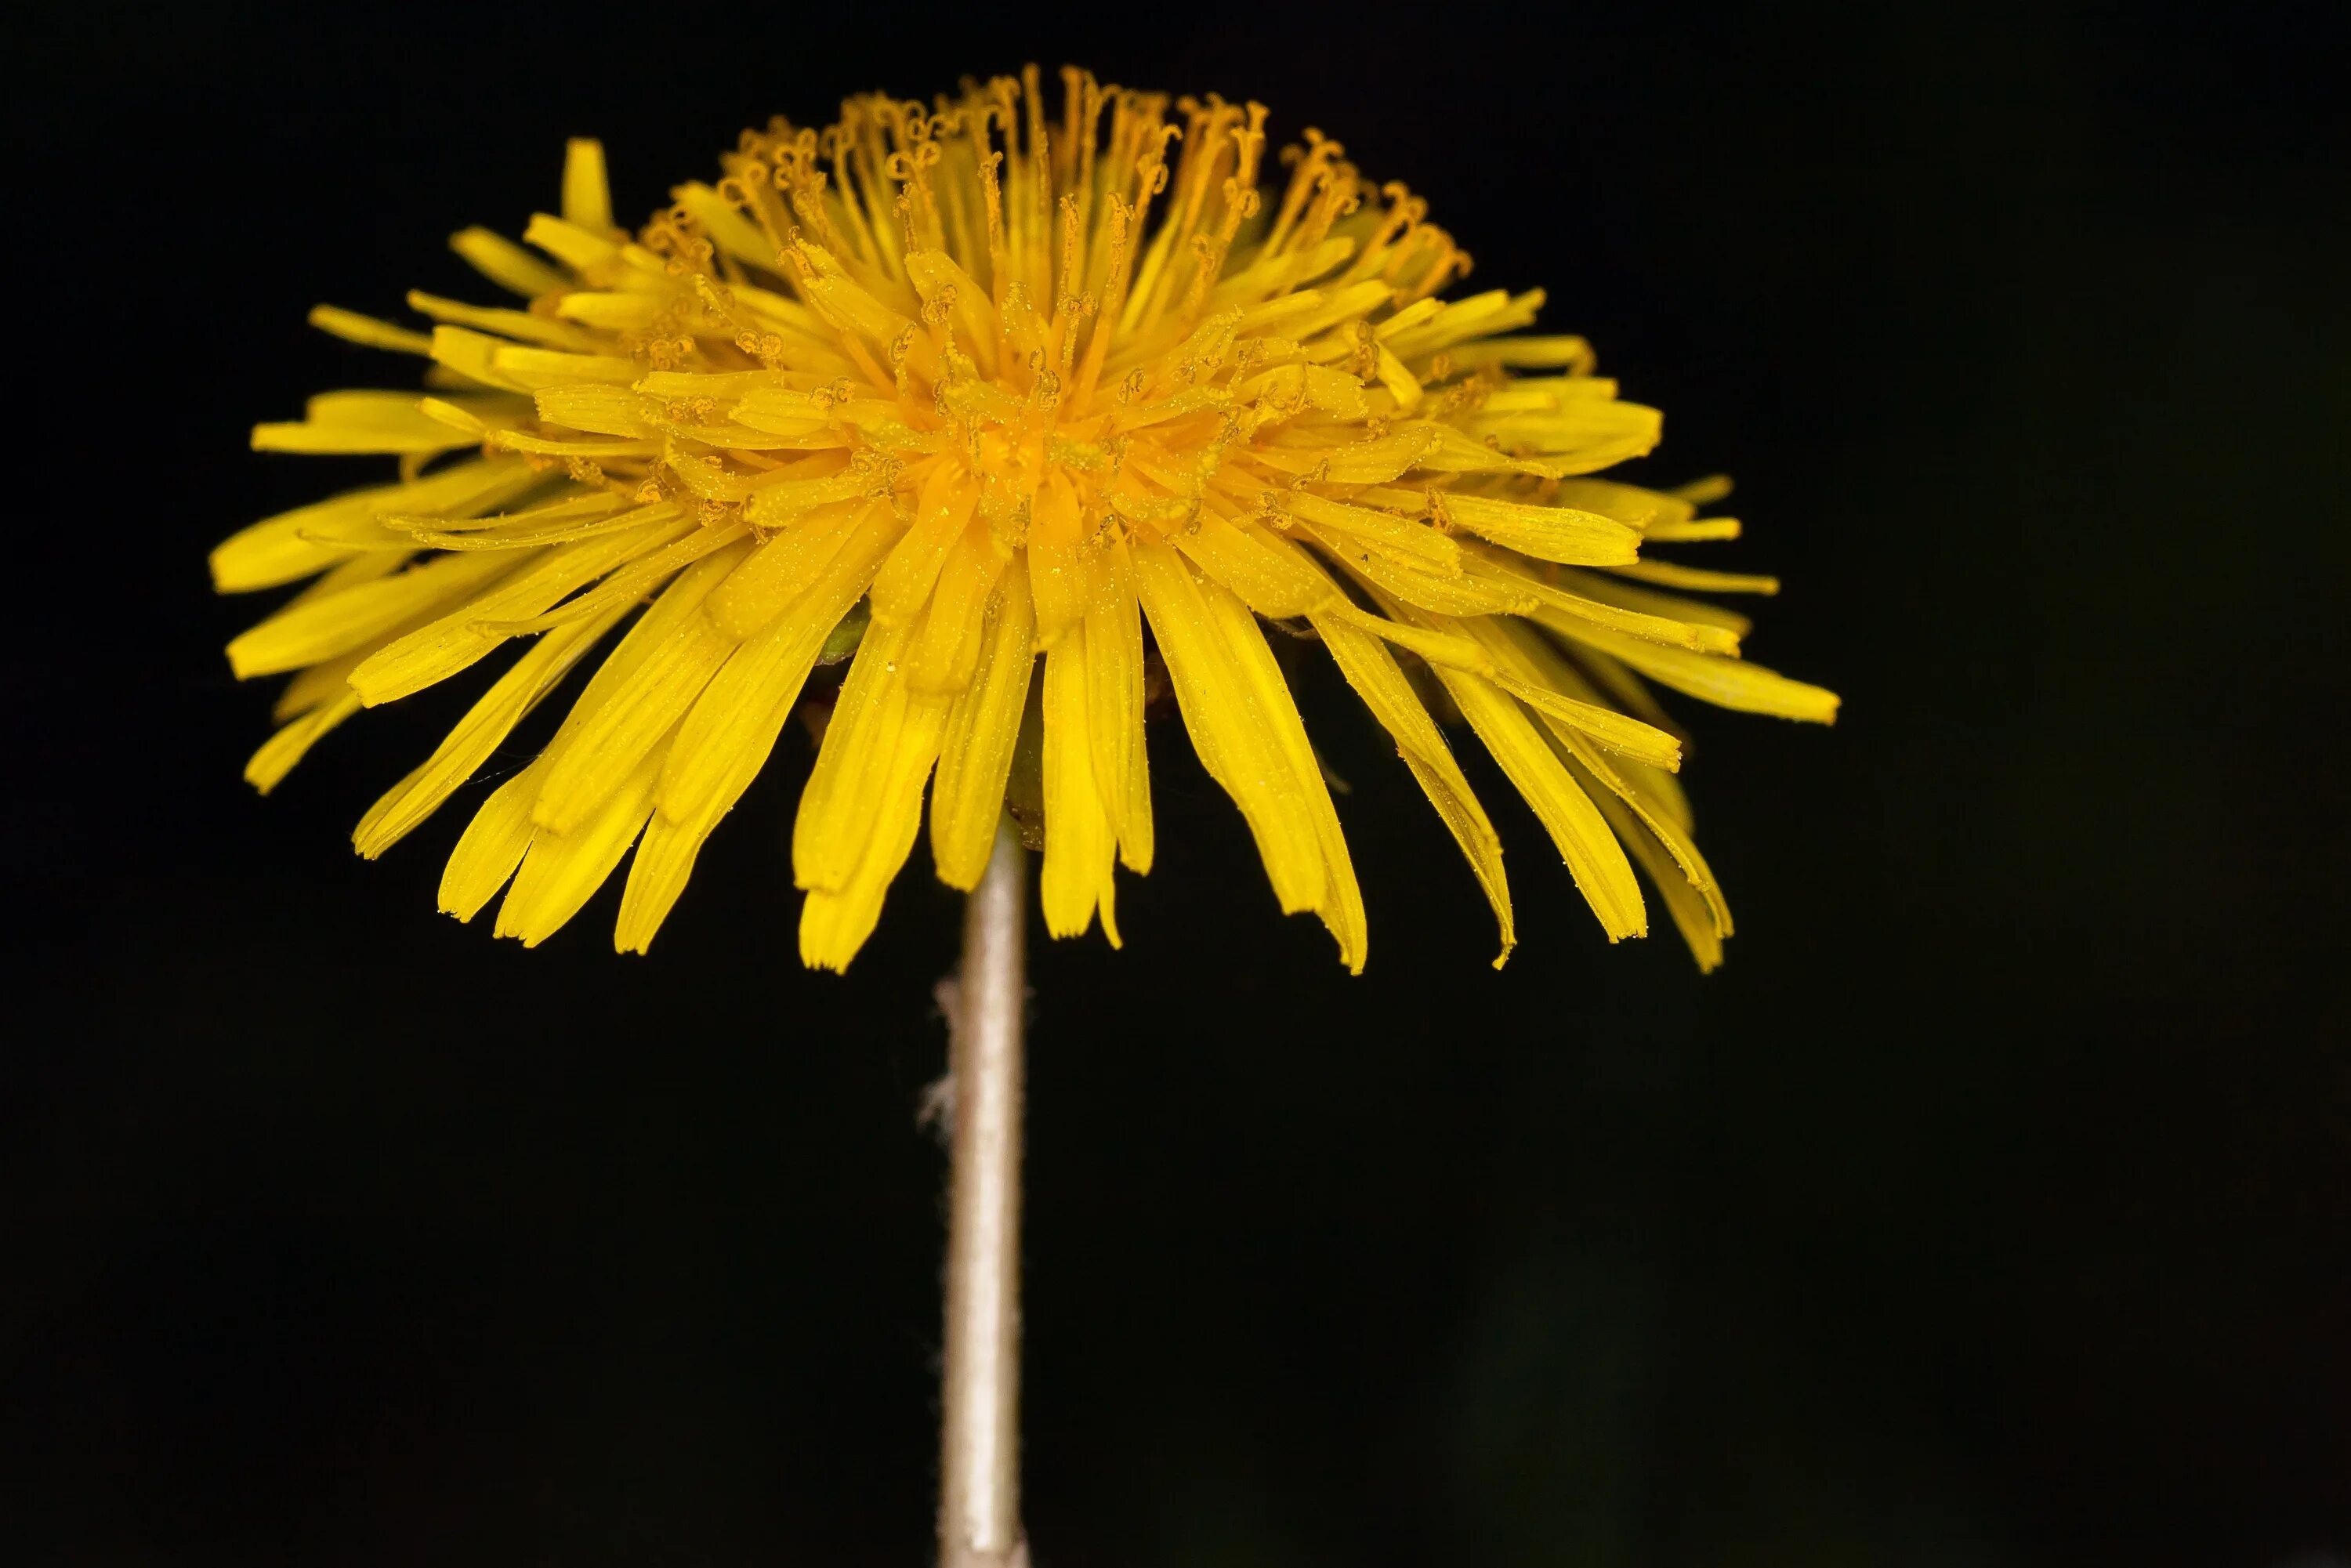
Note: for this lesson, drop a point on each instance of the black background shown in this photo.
(1989, 1208)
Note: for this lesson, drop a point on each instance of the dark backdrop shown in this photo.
(1989, 1208)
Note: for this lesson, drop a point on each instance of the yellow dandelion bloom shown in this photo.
(963, 386)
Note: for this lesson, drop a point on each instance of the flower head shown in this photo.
(958, 387)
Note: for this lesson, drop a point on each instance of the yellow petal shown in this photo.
(1547, 533)
(1524, 680)
(1372, 671)
(361, 421)
(369, 566)
(492, 845)
(517, 324)
(734, 234)
(1276, 583)
(561, 871)
(311, 630)
(864, 804)
(511, 440)
(1703, 492)
(606, 741)
(1372, 461)
(1594, 857)
(727, 737)
(507, 264)
(1703, 529)
(612, 312)
(1609, 588)
(1419, 541)
(733, 727)
(1246, 728)
(780, 500)
(1406, 579)
(1620, 789)
(1631, 791)
(1525, 353)
(1420, 635)
(1668, 574)
(670, 614)
(278, 754)
(1059, 579)
(435, 652)
(783, 566)
(328, 681)
(1580, 438)
(946, 647)
(975, 752)
(1114, 694)
(482, 729)
(367, 331)
(1477, 316)
(877, 722)
(568, 517)
(468, 354)
(309, 539)
(1628, 504)
(556, 377)
(587, 194)
(835, 922)
(1726, 682)
(941, 515)
(639, 577)
(1079, 847)
(1702, 921)
(568, 242)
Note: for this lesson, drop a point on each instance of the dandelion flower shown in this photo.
(963, 388)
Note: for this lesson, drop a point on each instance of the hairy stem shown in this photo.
(979, 1440)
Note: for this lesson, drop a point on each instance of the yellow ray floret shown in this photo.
(944, 392)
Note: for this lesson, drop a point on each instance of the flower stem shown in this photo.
(979, 1438)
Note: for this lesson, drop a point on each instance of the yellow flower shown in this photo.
(959, 387)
